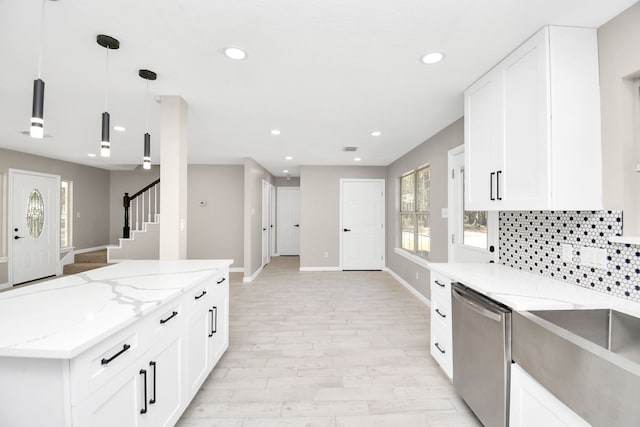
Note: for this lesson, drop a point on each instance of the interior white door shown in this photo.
(362, 223)
(473, 235)
(272, 221)
(34, 225)
(266, 199)
(288, 229)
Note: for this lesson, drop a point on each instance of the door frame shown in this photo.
(272, 221)
(383, 229)
(453, 223)
(10, 181)
(265, 232)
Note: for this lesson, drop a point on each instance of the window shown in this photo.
(474, 224)
(66, 188)
(415, 196)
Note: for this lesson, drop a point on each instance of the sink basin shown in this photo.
(589, 359)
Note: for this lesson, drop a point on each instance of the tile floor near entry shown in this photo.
(344, 349)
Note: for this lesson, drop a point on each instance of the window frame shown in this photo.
(416, 214)
(69, 213)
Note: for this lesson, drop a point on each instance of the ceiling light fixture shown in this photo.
(357, 159)
(376, 133)
(275, 132)
(235, 53)
(119, 128)
(285, 171)
(91, 155)
(288, 158)
(146, 159)
(37, 111)
(432, 58)
(108, 43)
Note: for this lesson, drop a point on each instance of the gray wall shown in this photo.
(432, 152)
(320, 210)
(126, 182)
(280, 181)
(618, 43)
(254, 173)
(216, 230)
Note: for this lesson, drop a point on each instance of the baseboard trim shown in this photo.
(410, 288)
(253, 277)
(236, 270)
(96, 248)
(320, 269)
(5, 286)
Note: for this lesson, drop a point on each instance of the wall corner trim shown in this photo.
(410, 288)
(320, 269)
(236, 270)
(249, 279)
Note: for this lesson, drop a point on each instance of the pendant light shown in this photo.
(37, 111)
(146, 159)
(108, 43)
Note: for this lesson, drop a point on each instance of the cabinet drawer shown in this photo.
(441, 311)
(441, 348)
(440, 285)
(166, 320)
(93, 368)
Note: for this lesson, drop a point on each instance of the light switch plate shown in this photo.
(593, 257)
(444, 213)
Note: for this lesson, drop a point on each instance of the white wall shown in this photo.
(254, 173)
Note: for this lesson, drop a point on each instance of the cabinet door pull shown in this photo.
(491, 186)
(109, 360)
(439, 349)
(439, 283)
(155, 368)
(163, 321)
(441, 315)
(201, 295)
(498, 185)
(143, 372)
(221, 280)
(214, 321)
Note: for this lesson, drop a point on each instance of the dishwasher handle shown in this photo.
(478, 308)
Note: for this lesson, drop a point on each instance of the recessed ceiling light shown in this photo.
(91, 155)
(288, 158)
(119, 128)
(235, 53)
(376, 133)
(432, 58)
(285, 171)
(357, 159)
(275, 131)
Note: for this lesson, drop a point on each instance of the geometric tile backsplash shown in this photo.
(530, 241)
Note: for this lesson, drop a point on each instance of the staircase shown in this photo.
(86, 261)
(141, 230)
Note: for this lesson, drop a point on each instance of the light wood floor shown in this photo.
(344, 349)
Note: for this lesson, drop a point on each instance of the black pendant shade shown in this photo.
(37, 112)
(105, 145)
(146, 160)
(108, 43)
(148, 75)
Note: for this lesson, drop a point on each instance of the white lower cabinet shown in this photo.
(441, 348)
(532, 405)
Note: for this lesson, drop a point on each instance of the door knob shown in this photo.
(264, 229)
(346, 229)
(17, 237)
(296, 225)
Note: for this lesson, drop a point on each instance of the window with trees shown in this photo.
(415, 196)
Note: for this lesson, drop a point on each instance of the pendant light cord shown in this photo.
(41, 41)
(147, 103)
(106, 86)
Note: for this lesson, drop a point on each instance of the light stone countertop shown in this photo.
(63, 317)
(523, 291)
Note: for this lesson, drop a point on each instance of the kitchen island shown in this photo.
(129, 344)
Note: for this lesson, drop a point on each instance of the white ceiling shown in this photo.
(326, 73)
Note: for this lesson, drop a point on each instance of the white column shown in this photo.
(173, 178)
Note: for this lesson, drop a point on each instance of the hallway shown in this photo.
(316, 349)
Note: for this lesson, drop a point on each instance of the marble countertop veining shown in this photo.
(63, 317)
(522, 290)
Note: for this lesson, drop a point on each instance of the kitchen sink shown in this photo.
(589, 359)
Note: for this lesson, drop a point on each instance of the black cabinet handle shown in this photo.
(109, 360)
(201, 295)
(441, 315)
(143, 372)
(439, 283)
(498, 185)
(214, 321)
(155, 368)
(346, 229)
(491, 186)
(439, 349)
(163, 321)
(221, 280)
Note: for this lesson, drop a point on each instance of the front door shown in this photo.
(288, 218)
(34, 223)
(362, 224)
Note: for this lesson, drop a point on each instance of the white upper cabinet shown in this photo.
(532, 127)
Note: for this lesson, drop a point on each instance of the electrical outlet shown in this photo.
(567, 252)
(593, 257)
(326, 254)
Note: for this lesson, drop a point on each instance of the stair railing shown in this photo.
(144, 204)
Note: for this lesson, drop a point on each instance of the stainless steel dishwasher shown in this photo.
(481, 354)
